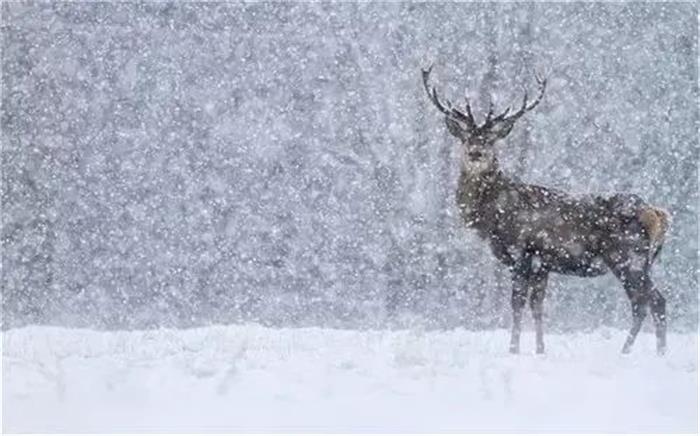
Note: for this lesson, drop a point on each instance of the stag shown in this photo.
(535, 230)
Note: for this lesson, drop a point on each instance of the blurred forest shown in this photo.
(183, 164)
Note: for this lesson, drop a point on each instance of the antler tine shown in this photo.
(446, 109)
(502, 115)
(502, 124)
(525, 107)
(543, 85)
(432, 93)
(468, 107)
(490, 120)
(489, 114)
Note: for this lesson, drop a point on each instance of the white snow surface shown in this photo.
(251, 378)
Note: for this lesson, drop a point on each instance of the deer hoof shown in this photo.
(514, 349)
(661, 351)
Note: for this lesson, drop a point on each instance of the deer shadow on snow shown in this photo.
(535, 230)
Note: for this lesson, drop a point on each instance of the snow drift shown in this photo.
(251, 378)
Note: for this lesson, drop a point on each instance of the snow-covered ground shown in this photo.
(251, 378)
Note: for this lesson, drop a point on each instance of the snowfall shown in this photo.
(250, 378)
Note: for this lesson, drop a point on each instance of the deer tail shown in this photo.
(656, 222)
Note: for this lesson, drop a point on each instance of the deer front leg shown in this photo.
(517, 301)
(538, 284)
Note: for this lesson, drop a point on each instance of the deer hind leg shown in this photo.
(639, 302)
(656, 222)
(538, 284)
(638, 289)
(643, 294)
(631, 266)
(658, 314)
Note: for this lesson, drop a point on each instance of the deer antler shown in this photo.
(501, 125)
(494, 126)
(447, 109)
(491, 121)
(542, 82)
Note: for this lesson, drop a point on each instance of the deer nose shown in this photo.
(474, 155)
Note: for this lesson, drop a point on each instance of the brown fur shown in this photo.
(656, 222)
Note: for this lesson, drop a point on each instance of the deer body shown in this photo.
(519, 219)
(535, 230)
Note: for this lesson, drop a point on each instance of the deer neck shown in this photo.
(475, 192)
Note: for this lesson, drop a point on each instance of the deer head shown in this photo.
(478, 154)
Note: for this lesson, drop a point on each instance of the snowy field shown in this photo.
(250, 378)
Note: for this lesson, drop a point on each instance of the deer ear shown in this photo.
(455, 128)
